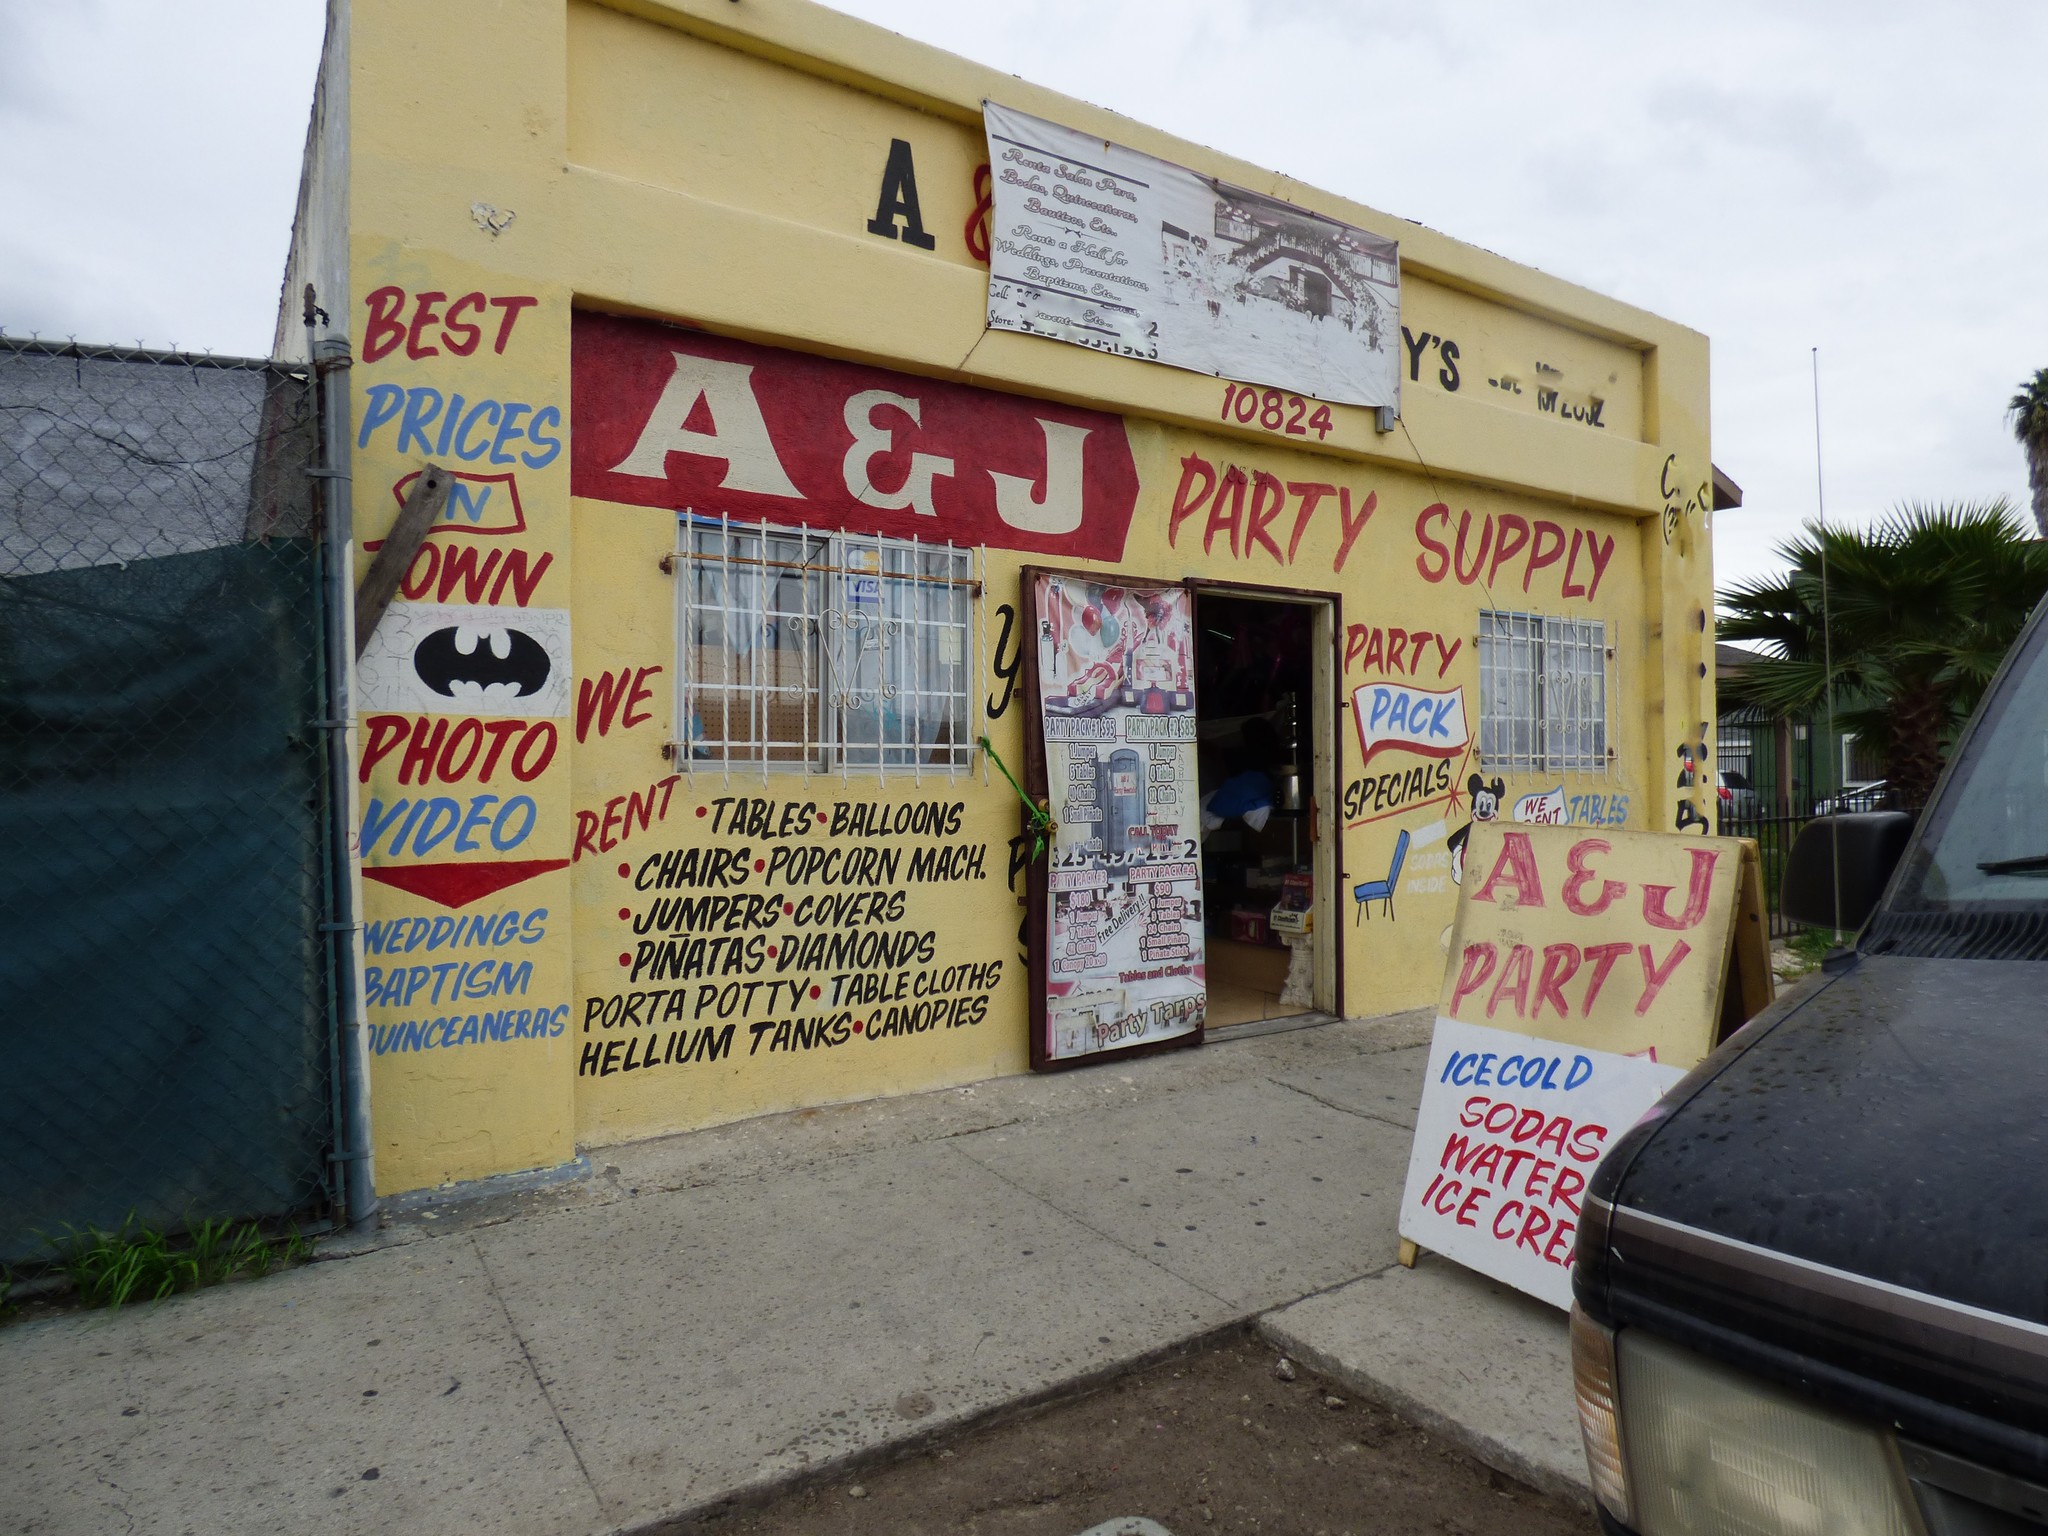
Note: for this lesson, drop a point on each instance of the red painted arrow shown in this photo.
(457, 885)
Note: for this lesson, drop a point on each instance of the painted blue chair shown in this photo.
(1383, 890)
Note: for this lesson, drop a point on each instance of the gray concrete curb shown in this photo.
(1492, 1390)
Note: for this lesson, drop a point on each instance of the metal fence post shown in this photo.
(353, 1146)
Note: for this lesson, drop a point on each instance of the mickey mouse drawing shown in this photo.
(1486, 803)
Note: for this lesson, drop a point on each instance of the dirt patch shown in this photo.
(1210, 1442)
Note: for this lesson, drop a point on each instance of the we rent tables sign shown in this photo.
(1584, 978)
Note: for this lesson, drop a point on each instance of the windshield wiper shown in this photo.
(2032, 864)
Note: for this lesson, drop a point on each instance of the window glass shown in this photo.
(1984, 845)
(1542, 693)
(822, 651)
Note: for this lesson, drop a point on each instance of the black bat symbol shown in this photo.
(440, 665)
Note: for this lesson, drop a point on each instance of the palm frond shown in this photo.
(1916, 612)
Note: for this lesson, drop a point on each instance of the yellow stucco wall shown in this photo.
(717, 165)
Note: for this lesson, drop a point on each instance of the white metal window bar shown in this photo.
(821, 651)
(1544, 686)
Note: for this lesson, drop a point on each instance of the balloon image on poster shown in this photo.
(1125, 964)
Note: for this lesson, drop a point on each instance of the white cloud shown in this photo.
(1857, 177)
(152, 167)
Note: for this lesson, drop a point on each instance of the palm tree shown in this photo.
(2029, 413)
(1920, 607)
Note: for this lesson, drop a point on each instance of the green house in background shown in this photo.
(1785, 767)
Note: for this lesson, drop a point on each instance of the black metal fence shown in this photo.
(167, 1041)
(1775, 835)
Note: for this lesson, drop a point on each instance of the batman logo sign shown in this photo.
(482, 664)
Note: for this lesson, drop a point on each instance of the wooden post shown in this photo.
(423, 504)
(1409, 1254)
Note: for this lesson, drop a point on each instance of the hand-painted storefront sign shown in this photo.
(1104, 247)
(1374, 648)
(1585, 975)
(485, 505)
(672, 418)
(1429, 722)
(1617, 941)
(1250, 511)
(440, 658)
(1509, 1130)
(795, 933)
(461, 688)
(1556, 808)
(1491, 552)
(1125, 962)
(420, 322)
(457, 883)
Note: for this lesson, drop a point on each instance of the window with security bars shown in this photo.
(1542, 693)
(821, 651)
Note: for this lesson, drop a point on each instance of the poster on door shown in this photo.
(1124, 956)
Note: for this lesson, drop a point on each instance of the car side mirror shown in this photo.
(1864, 845)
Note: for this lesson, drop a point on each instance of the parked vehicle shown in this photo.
(1873, 796)
(1812, 1284)
(1736, 796)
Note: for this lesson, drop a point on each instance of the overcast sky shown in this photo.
(1865, 178)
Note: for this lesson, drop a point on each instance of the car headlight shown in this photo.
(1706, 1450)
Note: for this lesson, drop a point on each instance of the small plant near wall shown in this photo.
(138, 1263)
(1805, 950)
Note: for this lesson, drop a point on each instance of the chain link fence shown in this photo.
(167, 1041)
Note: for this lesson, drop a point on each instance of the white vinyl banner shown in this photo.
(1505, 1142)
(1107, 248)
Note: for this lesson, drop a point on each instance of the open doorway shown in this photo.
(1262, 733)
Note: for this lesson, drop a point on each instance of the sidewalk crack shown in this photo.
(1088, 1226)
(527, 1354)
(1342, 1109)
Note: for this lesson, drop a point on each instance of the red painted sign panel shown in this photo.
(665, 417)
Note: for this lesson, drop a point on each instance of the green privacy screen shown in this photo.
(164, 1024)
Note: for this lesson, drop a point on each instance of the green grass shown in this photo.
(1811, 945)
(139, 1263)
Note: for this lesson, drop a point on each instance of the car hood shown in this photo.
(1867, 1183)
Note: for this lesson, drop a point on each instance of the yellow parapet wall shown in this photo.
(705, 278)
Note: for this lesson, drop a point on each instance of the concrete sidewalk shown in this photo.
(706, 1315)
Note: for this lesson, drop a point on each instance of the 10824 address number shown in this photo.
(1275, 411)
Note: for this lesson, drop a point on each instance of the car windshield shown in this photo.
(1984, 847)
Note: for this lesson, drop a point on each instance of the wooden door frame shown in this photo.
(1201, 586)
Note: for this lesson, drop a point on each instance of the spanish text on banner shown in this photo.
(1104, 247)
